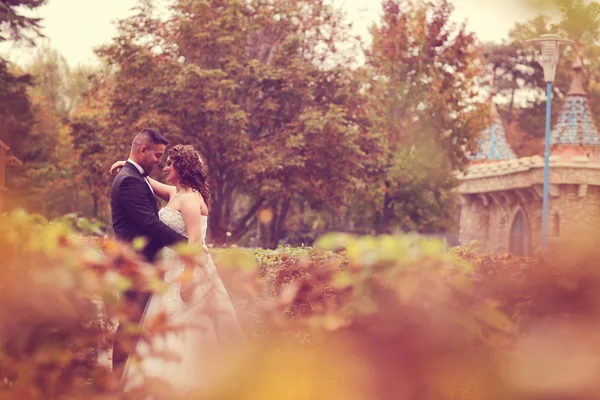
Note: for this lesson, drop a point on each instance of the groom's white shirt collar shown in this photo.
(129, 160)
(141, 172)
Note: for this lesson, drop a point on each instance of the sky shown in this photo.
(76, 27)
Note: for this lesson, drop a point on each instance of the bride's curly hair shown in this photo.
(192, 171)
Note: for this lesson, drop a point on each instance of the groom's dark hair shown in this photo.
(148, 136)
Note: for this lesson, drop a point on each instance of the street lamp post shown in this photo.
(548, 59)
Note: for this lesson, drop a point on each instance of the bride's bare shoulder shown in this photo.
(194, 200)
(190, 197)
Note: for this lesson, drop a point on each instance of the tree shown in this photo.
(520, 78)
(90, 143)
(16, 117)
(15, 114)
(424, 76)
(14, 25)
(51, 182)
(260, 88)
(61, 86)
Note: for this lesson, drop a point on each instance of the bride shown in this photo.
(201, 304)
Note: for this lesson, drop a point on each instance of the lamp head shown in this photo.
(550, 53)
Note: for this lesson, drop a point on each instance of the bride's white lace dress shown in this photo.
(211, 325)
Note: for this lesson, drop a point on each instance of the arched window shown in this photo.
(519, 235)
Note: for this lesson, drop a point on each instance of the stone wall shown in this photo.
(576, 209)
(492, 195)
(474, 222)
(489, 221)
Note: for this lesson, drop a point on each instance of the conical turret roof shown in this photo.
(492, 145)
(575, 126)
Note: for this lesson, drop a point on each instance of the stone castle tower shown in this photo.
(501, 196)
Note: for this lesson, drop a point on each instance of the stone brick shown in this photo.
(492, 194)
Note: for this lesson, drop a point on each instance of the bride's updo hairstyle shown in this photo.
(191, 169)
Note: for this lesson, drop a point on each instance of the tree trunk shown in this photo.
(277, 231)
(228, 206)
(510, 107)
(382, 225)
(265, 228)
(96, 208)
(247, 221)
(270, 233)
(217, 232)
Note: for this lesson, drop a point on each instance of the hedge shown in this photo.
(351, 318)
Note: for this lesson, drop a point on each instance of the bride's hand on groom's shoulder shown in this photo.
(116, 167)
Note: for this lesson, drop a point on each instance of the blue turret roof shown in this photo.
(575, 126)
(492, 145)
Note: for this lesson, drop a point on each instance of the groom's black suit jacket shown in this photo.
(135, 212)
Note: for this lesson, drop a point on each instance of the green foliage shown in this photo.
(337, 279)
(520, 77)
(259, 89)
(60, 290)
(49, 315)
(423, 74)
(84, 226)
(50, 181)
(16, 118)
(297, 141)
(90, 144)
(15, 25)
(382, 317)
(420, 323)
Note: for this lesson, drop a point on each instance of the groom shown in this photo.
(135, 214)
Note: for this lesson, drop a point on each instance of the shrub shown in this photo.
(403, 319)
(392, 317)
(60, 293)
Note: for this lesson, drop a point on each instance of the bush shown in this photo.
(396, 317)
(60, 293)
(352, 318)
(50, 330)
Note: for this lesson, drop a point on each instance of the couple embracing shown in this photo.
(200, 304)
